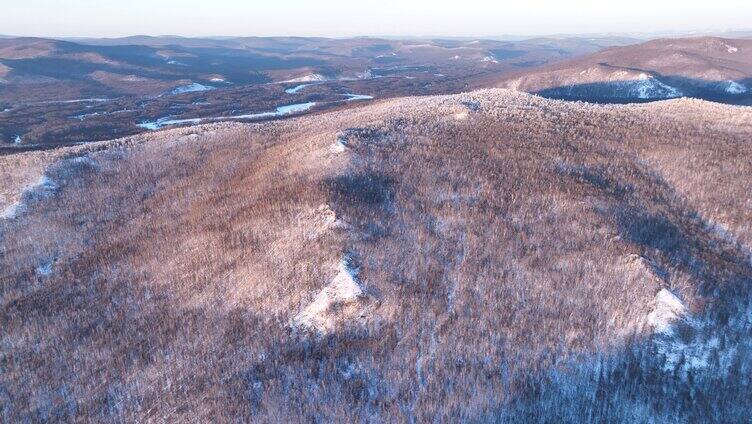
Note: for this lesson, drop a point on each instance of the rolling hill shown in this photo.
(490, 256)
(711, 68)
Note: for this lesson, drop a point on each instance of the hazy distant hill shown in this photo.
(40, 69)
(44, 69)
(708, 67)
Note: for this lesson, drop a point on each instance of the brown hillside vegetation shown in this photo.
(490, 256)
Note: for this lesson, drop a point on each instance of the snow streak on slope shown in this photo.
(48, 184)
(733, 87)
(356, 97)
(42, 188)
(297, 88)
(307, 78)
(324, 312)
(667, 309)
(279, 112)
(731, 49)
(648, 87)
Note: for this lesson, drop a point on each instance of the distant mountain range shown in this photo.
(56, 92)
(37, 69)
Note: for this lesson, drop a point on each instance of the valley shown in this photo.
(56, 92)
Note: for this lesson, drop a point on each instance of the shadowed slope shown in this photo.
(711, 68)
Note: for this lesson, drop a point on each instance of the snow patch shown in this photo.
(86, 115)
(695, 350)
(45, 269)
(316, 79)
(307, 78)
(733, 87)
(95, 100)
(667, 310)
(17, 140)
(327, 308)
(367, 74)
(339, 146)
(461, 116)
(285, 110)
(54, 102)
(355, 97)
(46, 186)
(165, 122)
(279, 112)
(191, 88)
(490, 59)
(41, 189)
(297, 88)
(730, 48)
(647, 87)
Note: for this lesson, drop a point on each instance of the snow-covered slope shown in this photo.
(491, 256)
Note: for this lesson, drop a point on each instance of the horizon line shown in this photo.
(633, 34)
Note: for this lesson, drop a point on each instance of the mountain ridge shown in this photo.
(485, 256)
(712, 68)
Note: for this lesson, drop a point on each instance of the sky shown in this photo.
(344, 18)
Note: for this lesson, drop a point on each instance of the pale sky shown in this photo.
(341, 18)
